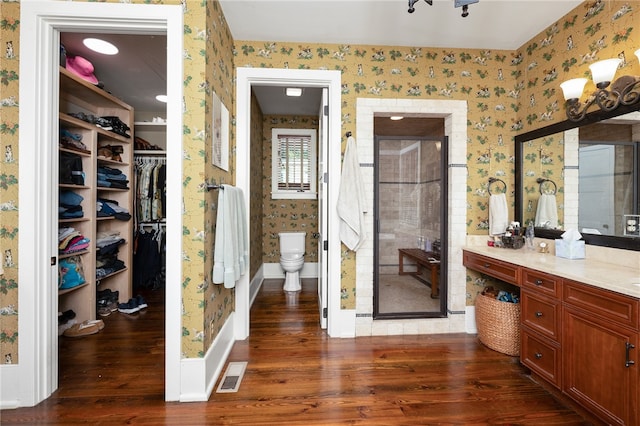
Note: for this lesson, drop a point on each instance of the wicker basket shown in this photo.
(498, 324)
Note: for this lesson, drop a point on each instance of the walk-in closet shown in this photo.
(112, 181)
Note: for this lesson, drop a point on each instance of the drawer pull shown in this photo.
(628, 363)
(538, 355)
(538, 282)
(538, 314)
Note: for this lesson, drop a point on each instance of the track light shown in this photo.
(458, 3)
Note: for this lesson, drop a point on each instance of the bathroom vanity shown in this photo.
(580, 325)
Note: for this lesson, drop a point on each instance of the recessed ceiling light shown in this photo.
(396, 117)
(100, 46)
(294, 91)
(162, 98)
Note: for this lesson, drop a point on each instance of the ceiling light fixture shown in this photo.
(624, 91)
(396, 117)
(162, 98)
(457, 3)
(100, 46)
(294, 91)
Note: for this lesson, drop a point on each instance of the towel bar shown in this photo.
(211, 187)
(543, 180)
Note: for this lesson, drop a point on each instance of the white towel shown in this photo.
(231, 253)
(547, 211)
(351, 199)
(498, 214)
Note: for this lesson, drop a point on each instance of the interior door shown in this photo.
(323, 155)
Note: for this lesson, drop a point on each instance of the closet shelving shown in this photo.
(80, 96)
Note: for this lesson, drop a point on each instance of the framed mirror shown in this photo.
(583, 176)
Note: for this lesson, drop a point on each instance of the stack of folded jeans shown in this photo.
(112, 178)
(69, 205)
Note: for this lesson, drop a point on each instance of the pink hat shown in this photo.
(82, 68)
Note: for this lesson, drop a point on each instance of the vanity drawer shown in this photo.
(541, 282)
(495, 268)
(541, 356)
(607, 304)
(541, 315)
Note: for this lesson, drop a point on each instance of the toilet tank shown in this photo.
(292, 242)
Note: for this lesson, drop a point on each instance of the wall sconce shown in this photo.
(623, 91)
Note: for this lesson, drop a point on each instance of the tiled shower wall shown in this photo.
(409, 197)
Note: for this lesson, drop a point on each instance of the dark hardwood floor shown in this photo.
(295, 375)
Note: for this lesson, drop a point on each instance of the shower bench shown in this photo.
(423, 259)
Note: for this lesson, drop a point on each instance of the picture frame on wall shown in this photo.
(220, 134)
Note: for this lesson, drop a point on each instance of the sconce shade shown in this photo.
(572, 89)
(604, 71)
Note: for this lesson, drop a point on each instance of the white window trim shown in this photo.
(279, 194)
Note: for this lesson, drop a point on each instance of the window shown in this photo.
(293, 163)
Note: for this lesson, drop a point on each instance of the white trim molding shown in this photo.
(454, 114)
(41, 24)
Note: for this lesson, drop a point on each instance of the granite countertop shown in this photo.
(595, 272)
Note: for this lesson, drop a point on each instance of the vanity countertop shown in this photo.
(596, 272)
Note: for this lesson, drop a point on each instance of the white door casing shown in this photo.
(41, 24)
(323, 215)
(340, 322)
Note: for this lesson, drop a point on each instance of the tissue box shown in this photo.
(570, 249)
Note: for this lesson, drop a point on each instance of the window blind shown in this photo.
(294, 154)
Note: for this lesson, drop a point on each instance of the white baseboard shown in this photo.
(9, 386)
(470, 320)
(199, 375)
(275, 271)
(255, 284)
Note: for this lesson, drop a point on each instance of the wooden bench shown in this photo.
(423, 259)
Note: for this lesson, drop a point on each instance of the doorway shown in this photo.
(338, 323)
(42, 24)
(410, 204)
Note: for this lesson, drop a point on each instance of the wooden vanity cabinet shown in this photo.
(493, 267)
(541, 310)
(582, 339)
(600, 352)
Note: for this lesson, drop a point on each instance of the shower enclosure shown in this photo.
(410, 198)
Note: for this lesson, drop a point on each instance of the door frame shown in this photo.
(340, 322)
(41, 24)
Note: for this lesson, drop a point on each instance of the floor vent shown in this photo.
(230, 382)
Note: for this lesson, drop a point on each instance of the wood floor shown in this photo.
(295, 375)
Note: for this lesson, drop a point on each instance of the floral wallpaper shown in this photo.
(256, 201)
(508, 92)
(285, 215)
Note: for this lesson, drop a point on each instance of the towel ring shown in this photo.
(541, 181)
(494, 180)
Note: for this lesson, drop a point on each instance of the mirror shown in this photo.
(584, 176)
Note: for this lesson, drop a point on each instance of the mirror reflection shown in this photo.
(585, 177)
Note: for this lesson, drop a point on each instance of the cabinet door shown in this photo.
(598, 369)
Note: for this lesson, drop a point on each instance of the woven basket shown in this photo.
(498, 324)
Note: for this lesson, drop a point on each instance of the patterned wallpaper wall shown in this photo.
(508, 92)
(256, 224)
(285, 215)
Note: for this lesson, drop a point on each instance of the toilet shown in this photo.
(292, 258)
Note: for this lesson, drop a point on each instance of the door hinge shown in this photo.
(53, 261)
(325, 177)
(325, 313)
(325, 245)
(326, 110)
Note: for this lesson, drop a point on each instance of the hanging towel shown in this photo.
(498, 214)
(547, 211)
(351, 199)
(230, 258)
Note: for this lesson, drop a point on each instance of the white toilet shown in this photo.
(292, 258)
